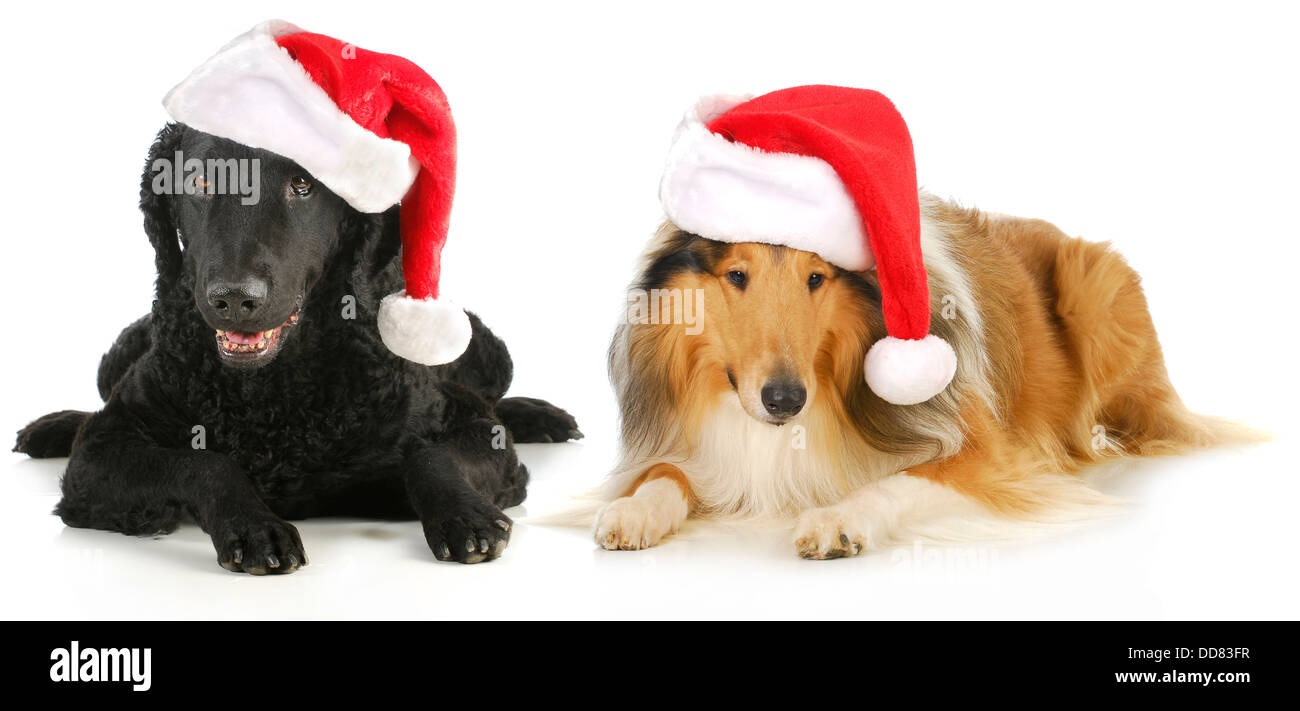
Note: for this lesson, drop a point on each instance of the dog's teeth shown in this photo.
(220, 332)
(268, 334)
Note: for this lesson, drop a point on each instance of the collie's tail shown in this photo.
(580, 512)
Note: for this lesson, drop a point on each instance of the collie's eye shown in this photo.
(300, 186)
(815, 281)
(737, 277)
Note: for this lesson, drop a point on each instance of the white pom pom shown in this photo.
(427, 331)
(907, 372)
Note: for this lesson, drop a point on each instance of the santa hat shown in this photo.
(828, 170)
(373, 128)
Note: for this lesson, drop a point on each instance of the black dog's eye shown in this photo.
(815, 281)
(300, 186)
(737, 277)
(199, 186)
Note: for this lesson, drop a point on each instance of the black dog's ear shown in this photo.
(156, 204)
(384, 243)
(370, 243)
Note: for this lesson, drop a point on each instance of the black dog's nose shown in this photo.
(784, 398)
(237, 300)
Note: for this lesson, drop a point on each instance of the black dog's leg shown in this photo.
(118, 481)
(459, 523)
(485, 367)
(460, 475)
(51, 435)
(486, 370)
(533, 420)
(131, 343)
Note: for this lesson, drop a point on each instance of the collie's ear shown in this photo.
(156, 194)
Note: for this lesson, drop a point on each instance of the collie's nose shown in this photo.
(784, 398)
(237, 300)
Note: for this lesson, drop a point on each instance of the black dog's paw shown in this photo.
(51, 435)
(533, 420)
(259, 544)
(475, 533)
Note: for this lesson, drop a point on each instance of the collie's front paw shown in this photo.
(630, 524)
(828, 533)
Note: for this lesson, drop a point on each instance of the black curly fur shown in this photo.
(334, 425)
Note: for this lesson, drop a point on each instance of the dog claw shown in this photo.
(576, 434)
(258, 543)
(476, 533)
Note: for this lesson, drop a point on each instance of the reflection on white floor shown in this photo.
(1208, 536)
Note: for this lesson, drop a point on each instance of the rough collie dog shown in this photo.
(758, 408)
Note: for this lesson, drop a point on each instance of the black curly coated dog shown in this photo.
(318, 418)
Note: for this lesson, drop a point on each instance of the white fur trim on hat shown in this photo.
(253, 93)
(907, 372)
(732, 192)
(427, 331)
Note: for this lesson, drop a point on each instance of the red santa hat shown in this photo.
(828, 170)
(374, 128)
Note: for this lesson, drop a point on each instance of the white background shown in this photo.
(1169, 129)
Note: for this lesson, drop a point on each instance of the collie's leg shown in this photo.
(657, 505)
(971, 495)
(875, 515)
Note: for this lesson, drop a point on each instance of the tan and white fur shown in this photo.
(1058, 368)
